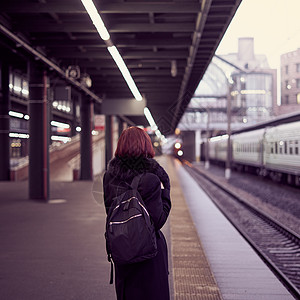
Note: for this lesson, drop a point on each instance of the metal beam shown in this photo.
(85, 27)
(103, 54)
(120, 43)
(48, 62)
(104, 8)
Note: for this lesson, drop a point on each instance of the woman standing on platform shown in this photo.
(146, 280)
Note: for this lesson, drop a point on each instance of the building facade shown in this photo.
(290, 82)
(243, 77)
(253, 90)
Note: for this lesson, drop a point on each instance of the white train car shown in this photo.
(218, 148)
(282, 149)
(247, 148)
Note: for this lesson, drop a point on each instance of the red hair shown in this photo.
(134, 142)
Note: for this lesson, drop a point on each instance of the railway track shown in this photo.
(278, 246)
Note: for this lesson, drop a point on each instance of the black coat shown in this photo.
(147, 280)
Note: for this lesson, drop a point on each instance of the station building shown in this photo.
(290, 82)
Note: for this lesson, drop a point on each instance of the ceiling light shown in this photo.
(97, 21)
(149, 117)
(59, 124)
(125, 72)
(15, 114)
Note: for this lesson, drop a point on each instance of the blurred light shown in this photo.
(19, 135)
(177, 145)
(155, 144)
(149, 118)
(177, 131)
(17, 89)
(281, 143)
(158, 134)
(180, 153)
(219, 137)
(173, 68)
(25, 92)
(245, 120)
(15, 114)
(95, 132)
(26, 117)
(252, 92)
(64, 139)
(96, 19)
(55, 103)
(125, 72)
(78, 129)
(59, 124)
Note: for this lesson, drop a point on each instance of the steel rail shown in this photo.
(271, 222)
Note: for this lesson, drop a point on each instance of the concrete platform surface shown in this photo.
(52, 251)
(239, 271)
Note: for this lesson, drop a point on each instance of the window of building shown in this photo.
(286, 84)
(298, 83)
(286, 99)
(298, 68)
(286, 69)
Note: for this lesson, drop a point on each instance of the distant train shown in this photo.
(271, 151)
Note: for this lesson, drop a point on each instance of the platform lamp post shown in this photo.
(206, 165)
(228, 158)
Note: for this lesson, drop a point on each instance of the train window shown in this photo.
(291, 147)
(296, 148)
(272, 147)
(285, 147)
(276, 148)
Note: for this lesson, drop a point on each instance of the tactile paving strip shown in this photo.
(192, 276)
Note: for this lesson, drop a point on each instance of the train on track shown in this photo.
(270, 151)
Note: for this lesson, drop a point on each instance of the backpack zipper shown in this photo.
(122, 222)
(128, 200)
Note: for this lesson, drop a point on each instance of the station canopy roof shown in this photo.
(152, 37)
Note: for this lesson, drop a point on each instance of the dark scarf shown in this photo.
(126, 168)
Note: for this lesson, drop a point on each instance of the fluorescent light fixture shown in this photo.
(104, 34)
(26, 117)
(15, 114)
(96, 19)
(78, 129)
(60, 138)
(19, 135)
(219, 137)
(158, 133)
(125, 72)
(59, 124)
(150, 119)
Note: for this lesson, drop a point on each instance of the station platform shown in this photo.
(57, 250)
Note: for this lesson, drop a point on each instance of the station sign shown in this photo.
(123, 107)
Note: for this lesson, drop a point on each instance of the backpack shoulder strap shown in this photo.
(135, 181)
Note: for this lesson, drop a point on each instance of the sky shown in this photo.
(274, 25)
